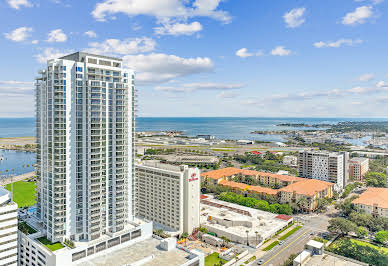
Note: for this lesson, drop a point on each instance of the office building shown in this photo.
(168, 195)
(325, 166)
(358, 167)
(8, 229)
(373, 201)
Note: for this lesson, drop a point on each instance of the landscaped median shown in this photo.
(271, 246)
(250, 259)
(289, 233)
(49, 245)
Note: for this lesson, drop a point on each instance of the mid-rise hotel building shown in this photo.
(169, 196)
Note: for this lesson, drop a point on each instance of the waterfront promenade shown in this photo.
(8, 180)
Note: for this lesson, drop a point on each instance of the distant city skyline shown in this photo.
(218, 58)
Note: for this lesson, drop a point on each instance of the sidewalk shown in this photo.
(260, 252)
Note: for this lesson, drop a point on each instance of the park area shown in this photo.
(213, 259)
(360, 250)
(23, 193)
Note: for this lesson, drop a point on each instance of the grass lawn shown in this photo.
(49, 245)
(271, 246)
(225, 150)
(23, 193)
(362, 243)
(290, 232)
(212, 259)
(250, 259)
(284, 229)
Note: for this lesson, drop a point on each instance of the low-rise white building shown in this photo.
(8, 229)
(240, 224)
(168, 195)
(290, 160)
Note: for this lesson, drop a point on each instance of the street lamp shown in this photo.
(247, 237)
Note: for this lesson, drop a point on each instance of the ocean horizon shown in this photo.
(220, 127)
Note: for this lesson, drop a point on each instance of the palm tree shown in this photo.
(256, 233)
(223, 240)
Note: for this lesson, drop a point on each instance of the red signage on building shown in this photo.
(193, 177)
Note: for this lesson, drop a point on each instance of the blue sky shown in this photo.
(211, 57)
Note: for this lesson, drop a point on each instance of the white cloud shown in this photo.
(156, 68)
(366, 77)
(280, 51)
(358, 16)
(228, 95)
(90, 34)
(161, 9)
(382, 84)
(179, 29)
(57, 36)
(19, 34)
(127, 46)
(337, 44)
(50, 53)
(15, 82)
(34, 41)
(19, 3)
(294, 18)
(190, 87)
(243, 52)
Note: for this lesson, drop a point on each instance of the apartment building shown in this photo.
(373, 201)
(168, 195)
(85, 121)
(8, 229)
(215, 176)
(85, 136)
(358, 167)
(325, 166)
(306, 193)
(267, 179)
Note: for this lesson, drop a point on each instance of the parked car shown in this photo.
(260, 262)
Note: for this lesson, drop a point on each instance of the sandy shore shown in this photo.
(18, 143)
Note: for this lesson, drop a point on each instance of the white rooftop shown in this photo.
(259, 221)
(315, 244)
(147, 251)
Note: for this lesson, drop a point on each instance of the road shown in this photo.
(9, 180)
(313, 223)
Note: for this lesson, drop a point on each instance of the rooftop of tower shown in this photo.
(78, 56)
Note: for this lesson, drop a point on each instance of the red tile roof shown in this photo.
(265, 190)
(283, 217)
(373, 195)
(203, 197)
(226, 172)
(232, 184)
(256, 152)
(307, 187)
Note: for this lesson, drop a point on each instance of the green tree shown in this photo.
(382, 237)
(341, 226)
(375, 179)
(362, 232)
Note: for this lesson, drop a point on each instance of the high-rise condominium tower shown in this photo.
(85, 111)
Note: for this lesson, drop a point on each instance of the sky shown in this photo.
(226, 58)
